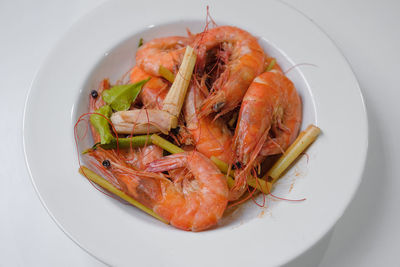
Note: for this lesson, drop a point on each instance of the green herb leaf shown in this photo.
(140, 42)
(101, 124)
(120, 97)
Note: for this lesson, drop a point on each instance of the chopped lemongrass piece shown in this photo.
(135, 141)
(222, 165)
(176, 95)
(97, 179)
(166, 74)
(232, 121)
(123, 142)
(304, 139)
(271, 65)
(142, 121)
(140, 42)
(230, 181)
(127, 142)
(260, 184)
(165, 144)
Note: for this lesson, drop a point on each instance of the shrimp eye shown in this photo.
(218, 106)
(106, 163)
(94, 94)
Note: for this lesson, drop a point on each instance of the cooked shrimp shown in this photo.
(167, 52)
(245, 60)
(195, 200)
(95, 102)
(149, 154)
(153, 92)
(269, 118)
(211, 137)
(140, 157)
(199, 201)
(141, 185)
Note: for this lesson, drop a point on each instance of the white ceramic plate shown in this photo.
(103, 44)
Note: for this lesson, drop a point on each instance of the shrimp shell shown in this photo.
(194, 200)
(246, 61)
(211, 137)
(167, 52)
(269, 120)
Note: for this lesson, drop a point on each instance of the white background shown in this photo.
(368, 34)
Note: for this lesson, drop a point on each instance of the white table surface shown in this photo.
(367, 32)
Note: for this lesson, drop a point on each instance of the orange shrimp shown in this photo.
(211, 137)
(153, 92)
(140, 157)
(95, 102)
(194, 201)
(244, 61)
(167, 52)
(139, 184)
(269, 119)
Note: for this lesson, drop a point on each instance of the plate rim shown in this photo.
(93, 11)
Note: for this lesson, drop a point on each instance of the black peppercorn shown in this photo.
(106, 163)
(94, 94)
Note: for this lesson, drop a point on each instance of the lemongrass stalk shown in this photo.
(141, 121)
(140, 42)
(222, 165)
(166, 74)
(271, 65)
(135, 141)
(166, 145)
(97, 179)
(254, 182)
(260, 184)
(304, 139)
(127, 142)
(124, 142)
(176, 95)
(233, 120)
(230, 181)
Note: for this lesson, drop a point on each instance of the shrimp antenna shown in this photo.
(299, 65)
